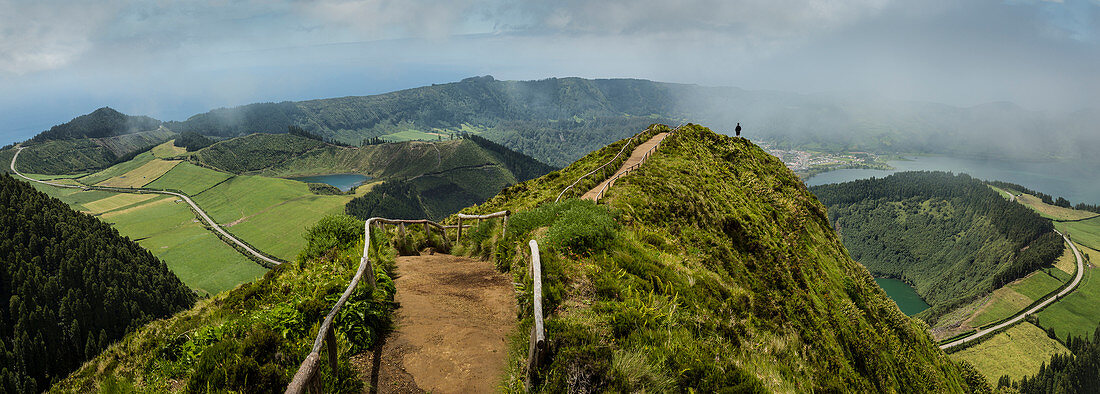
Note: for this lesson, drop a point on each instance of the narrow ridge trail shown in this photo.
(636, 157)
(450, 329)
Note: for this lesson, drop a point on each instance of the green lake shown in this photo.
(905, 296)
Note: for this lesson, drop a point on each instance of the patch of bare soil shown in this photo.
(450, 331)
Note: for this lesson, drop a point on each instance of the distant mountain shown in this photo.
(557, 120)
(70, 286)
(103, 122)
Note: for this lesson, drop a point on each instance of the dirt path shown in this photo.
(450, 330)
(636, 157)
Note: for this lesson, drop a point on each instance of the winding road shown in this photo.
(184, 197)
(1036, 308)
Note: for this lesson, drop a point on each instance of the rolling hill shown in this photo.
(710, 268)
(951, 236)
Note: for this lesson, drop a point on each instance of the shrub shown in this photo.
(331, 232)
(583, 229)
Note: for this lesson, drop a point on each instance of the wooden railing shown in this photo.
(631, 168)
(597, 168)
(538, 336)
(309, 372)
(461, 216)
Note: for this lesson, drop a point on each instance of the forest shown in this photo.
(950, 236)
(71, 286)
(103, 122)
(192, 141)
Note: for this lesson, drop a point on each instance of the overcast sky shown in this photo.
(171, 59)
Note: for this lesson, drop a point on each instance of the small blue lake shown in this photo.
(344, 182)
(904, 295)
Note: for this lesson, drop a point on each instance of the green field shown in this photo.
(1014, 297)
(269, 213)
(141, 176)
(1052, 211)
(1016, 352)
(166, 227)
(410, 135)
(117, 169)
(168, 150)
(1085, 232)
(1077, 313)
(190, 179)
(170, 231)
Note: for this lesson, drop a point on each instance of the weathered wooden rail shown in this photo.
(631, 168)
(502, 214)
(598, 168)
(538, 336)
(309, 372)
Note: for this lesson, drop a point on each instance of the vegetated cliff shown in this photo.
(70, 286)
(710, 267)
(952, 236)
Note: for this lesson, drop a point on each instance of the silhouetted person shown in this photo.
(738, 129)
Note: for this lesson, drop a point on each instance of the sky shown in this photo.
(171, 59)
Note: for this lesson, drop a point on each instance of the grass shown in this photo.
(1005, 194)
(189, 178)
(141, 176)
(1052, 211)
(1085, 232)
(168, 150)
(1014, 297)
(119, 200)
(410, 135)
(269, 213)
(166, 227)
(1016, 352)
(1076, 313)
(117, 169)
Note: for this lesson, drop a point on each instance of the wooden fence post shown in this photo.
(458, 238)
(331, 340)
(401, 226)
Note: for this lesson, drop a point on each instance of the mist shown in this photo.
(61, 59)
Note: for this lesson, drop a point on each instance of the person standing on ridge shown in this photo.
(738, 129)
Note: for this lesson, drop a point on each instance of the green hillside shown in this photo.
(437, 178)
(71, 286)
(74, 156)
(951, 236)
(711, 268)
(103, 122)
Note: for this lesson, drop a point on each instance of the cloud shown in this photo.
(41, 35)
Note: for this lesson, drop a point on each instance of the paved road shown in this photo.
(1036, 308)
(202, 213)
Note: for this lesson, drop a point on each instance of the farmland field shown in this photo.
(141, 176)
(1052, 211)
(117, 169)
(1015, 352)
(1015, 296)
(166, 227)
(168, 150)
(1085, 232)
(1078, 312)
(269, 213)
(190, 179)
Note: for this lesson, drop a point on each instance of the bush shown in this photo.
(583, 229)
(331, 232)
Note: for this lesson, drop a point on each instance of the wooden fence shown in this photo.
(309, 372)
(629, 169)
(538, 336)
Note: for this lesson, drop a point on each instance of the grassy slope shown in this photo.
(190, 179)
(1016, 352)
(259, 332)
(141, 176)
(1014, 297)
(1077, 313)
(1086, 232)
(87, 154)
(1052, 211)
(112, 171)
(269, 213)
(725, 272)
